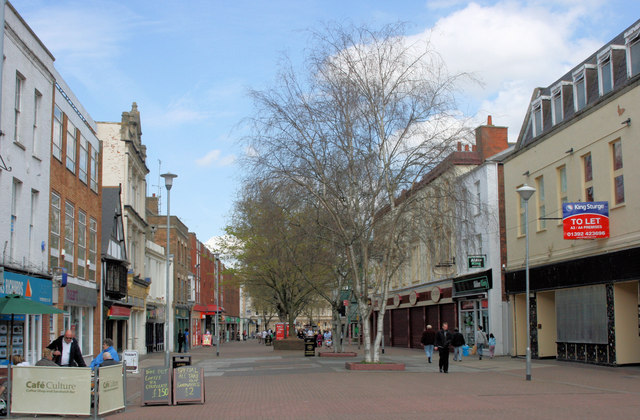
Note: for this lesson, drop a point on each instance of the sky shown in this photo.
(189, 65)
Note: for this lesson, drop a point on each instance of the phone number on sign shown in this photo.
(590, 234)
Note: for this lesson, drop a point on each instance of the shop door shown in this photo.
(472, 314)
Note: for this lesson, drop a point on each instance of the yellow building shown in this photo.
(579, 143)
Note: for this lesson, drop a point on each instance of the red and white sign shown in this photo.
(588, 220)
(279, 331)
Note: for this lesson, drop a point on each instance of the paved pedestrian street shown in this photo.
(252, 381)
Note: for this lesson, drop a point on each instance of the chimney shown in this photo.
(459, 147)
(490, 139)
(152, 205)
(466, 147)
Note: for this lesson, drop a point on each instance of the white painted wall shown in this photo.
(29, 155)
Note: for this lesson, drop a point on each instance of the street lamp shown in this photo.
(168, 183)
(216, 271)
(525, 194)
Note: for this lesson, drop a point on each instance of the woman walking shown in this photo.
(492, 345)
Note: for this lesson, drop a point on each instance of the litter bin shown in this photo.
(309, 346)
(178, 360)
(465, 350)
(268, 340)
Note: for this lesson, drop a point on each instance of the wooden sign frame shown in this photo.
(165, 400)
(197, 398)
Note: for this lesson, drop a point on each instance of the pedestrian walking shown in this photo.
(492, 345)
(186, 340)
(457, 341)
(481, 341)
(180, 341)
(443, 341)
(428, 341)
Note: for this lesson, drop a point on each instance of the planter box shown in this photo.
(332, 354)
(373, 366)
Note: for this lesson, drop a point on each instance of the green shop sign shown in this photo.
(472, 285)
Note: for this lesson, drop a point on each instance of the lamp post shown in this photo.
(168, 183)
(525, 194)
(216, 271)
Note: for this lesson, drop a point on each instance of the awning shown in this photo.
(119, 312)
(208, 309)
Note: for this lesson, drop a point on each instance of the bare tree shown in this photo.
(366, 119)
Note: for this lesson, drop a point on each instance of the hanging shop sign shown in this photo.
(472, 285)
(588, 220)
(475, 261)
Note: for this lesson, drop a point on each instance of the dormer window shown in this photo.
(579, 91)
(539, 109)
(632, 41)
(605, 74)
(556, 105)
(537, 119)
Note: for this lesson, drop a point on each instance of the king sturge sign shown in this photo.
(588, 220)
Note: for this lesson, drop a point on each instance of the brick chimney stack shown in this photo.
(152, 205)
(490, 139)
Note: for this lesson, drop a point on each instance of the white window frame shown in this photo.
(631, 38)
(37, 103)
(536, 107)
(58, 125)
(83, 159)
(19, 93)
(541, 203)
(55, 229)
(580, 76)
(72, 136)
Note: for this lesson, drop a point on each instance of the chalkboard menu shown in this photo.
(188, 385)
(156, 387)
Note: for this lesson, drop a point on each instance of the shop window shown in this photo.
(618, 176)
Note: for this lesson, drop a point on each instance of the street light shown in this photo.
(216, 271)
(168, 183)
(525, 194)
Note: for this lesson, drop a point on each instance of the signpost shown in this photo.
(155, 386)
(130, 358)
(188, 385)
(588, 220)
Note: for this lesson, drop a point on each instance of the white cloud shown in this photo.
(215, 157)
(511, 48)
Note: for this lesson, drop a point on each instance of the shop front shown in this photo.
(27, 338)
(116, 325)
(80, 304)
(154, 328)
(181, 322)
(471, 296)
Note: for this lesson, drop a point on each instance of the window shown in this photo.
(69, 220)
(56, 141)
(579, 91)
(479, 249)
(605, 74)
(562, 188)
(71, 147)
(94, 169)
(54, 240)
(32, 219)
(83, 159)
(588, 177)
(17, 107)
(537, 119)
(16, 189)
(556, 106)
(618, 177)
(37, 101)
(82, 244)
(633, 53)
(542, 209)
(93, 241)
(478, 198)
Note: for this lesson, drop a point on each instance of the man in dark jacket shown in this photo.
(66, 350)
(457, 341)
(443, 341)
(428, 340)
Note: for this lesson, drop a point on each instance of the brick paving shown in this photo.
(249, 380)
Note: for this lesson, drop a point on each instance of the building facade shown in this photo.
(579, 144)
(125, 165)
(28, 82)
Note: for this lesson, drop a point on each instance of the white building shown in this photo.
(156, 269)
(25, 152)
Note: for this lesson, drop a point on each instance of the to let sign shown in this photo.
(588, 220)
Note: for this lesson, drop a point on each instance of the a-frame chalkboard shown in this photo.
(188, 385)
(156, 386)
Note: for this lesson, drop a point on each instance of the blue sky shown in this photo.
(188, 65)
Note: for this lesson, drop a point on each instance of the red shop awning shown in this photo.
(119, 312)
